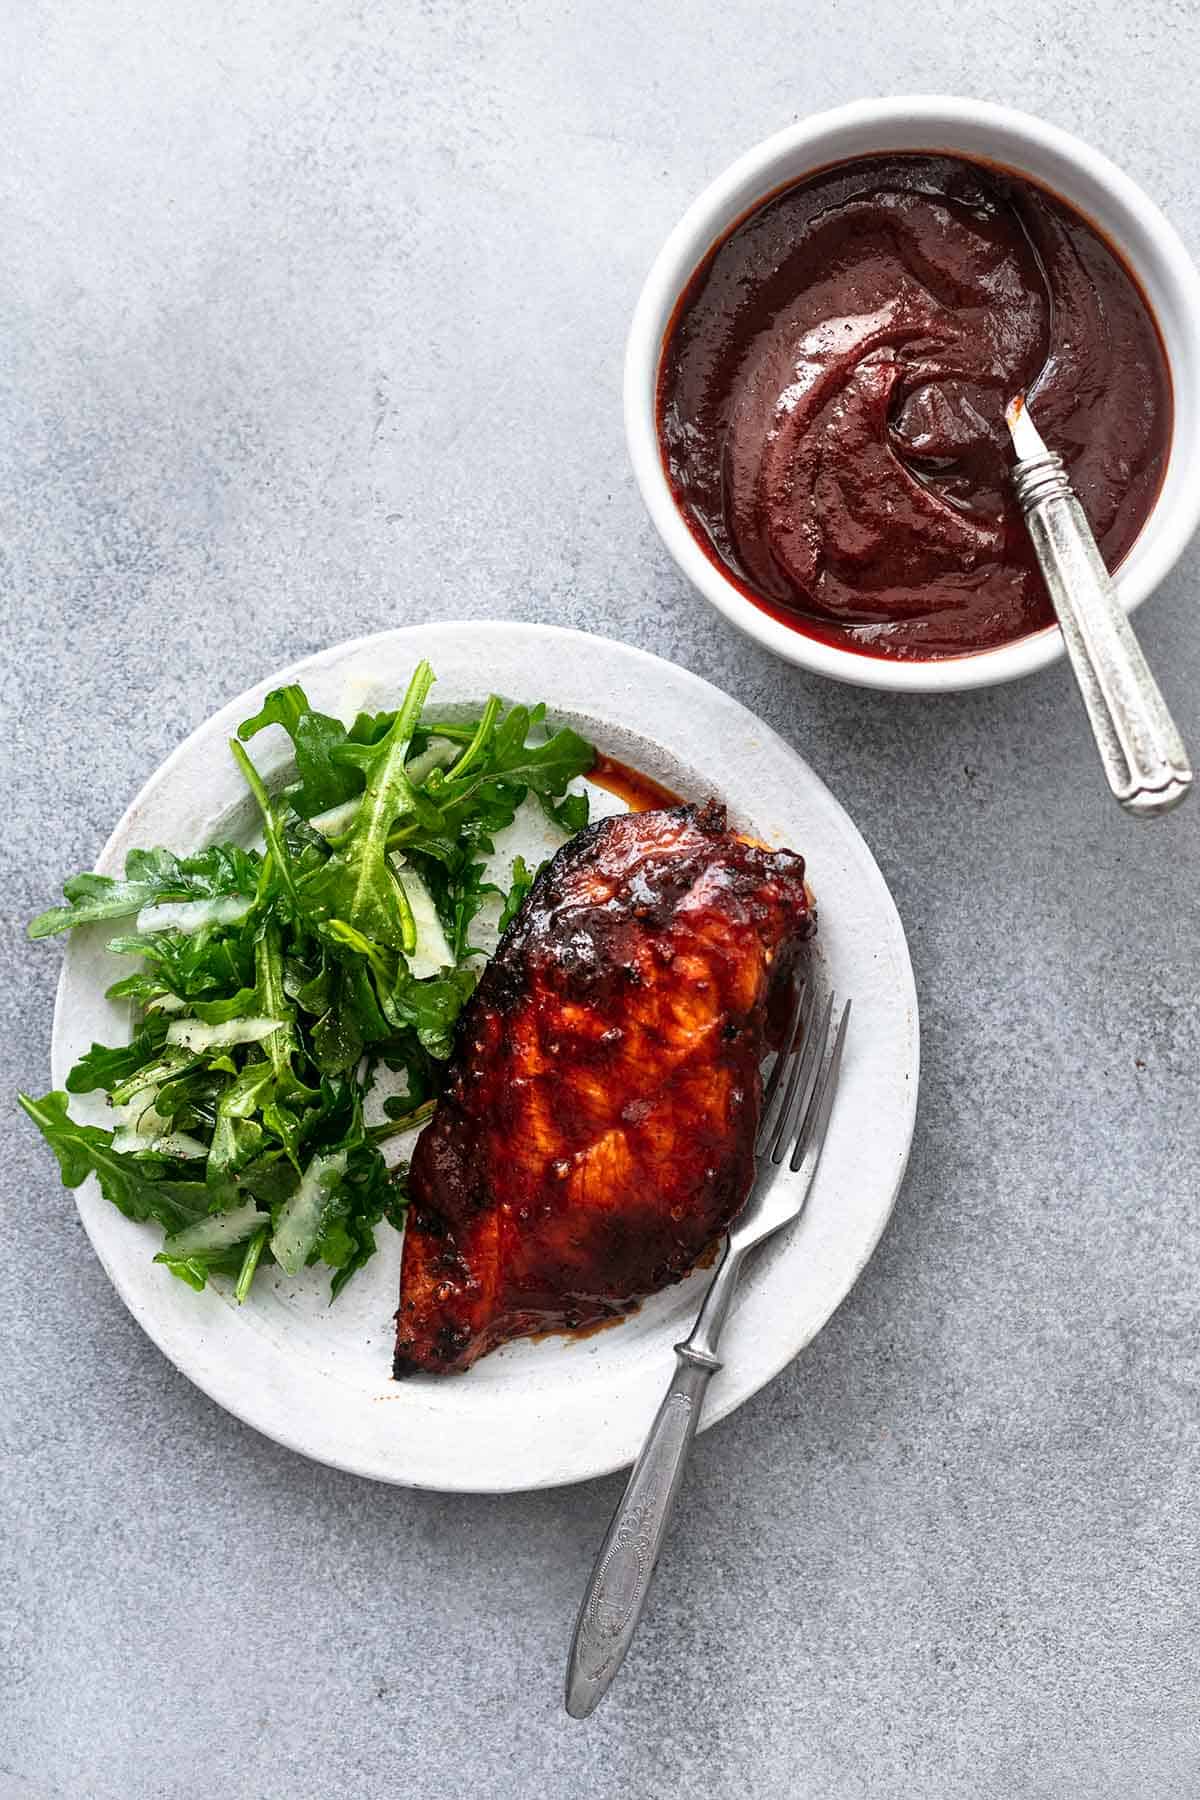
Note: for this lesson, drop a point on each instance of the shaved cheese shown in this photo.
(440, 753)
(336, 818)
(194, 1035)
(164, 1143)
(217, 1231)
(193, 915)
(432, 952)
(140, 1126)
(139, 1114)
(300, 1221)
(167, 1003)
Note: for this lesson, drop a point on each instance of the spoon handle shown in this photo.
(1139, 743)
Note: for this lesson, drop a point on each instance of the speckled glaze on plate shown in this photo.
(318, 1379)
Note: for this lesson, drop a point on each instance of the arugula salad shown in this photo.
(271, 988)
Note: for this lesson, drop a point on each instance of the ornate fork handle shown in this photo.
(616, 1594)
(791, 1134)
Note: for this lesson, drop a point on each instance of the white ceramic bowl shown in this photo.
(1082, 176)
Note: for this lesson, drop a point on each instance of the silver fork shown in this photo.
(795, 1116)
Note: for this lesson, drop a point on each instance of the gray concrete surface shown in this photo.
(312, 322)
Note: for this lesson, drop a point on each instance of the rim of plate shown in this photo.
(602, 1390)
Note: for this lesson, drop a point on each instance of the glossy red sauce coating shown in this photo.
(832, 391)
(596, 1131)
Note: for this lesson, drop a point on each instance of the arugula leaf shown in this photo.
(459, 892)
(284, 706)
(371, 728)
(523, 879)
(250, 1261)
(485, 798)
(396, 1203)
(271, 1002)
(307, 848)
(350, 1021)
(422, 1076)
(190, 967)
(221, 869)
(400, 1123)
(242, 1005)
(237, 1138)
(354, 1205)
(479, 745)
(92, 897)
(172, 1061)
(102, 1067)
(143, 988)
(150, 876)
(382, 963)
(270, 818)
(190, 1269)
(357, 884)
(269, 1181)
(315, 737)
(188, 1101)
(546, 767)
(130, 1184)
(570, 813)
(431, 1008)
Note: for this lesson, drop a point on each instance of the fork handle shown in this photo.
(616, 1594)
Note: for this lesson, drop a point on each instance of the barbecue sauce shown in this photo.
(832, 390)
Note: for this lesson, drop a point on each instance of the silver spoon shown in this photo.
(1139, 743)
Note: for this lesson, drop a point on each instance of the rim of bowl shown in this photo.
(1164, 271)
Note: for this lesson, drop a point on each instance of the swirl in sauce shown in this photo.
(832, 390)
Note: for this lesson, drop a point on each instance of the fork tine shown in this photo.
(800, 1082)
(797, 1039)
(791, 1036)
(810, 1138)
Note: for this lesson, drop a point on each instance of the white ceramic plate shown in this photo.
(318, 1379)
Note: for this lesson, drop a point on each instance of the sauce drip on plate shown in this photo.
(641, 793)
(832, 392)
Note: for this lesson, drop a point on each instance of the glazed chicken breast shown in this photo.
(597, 1128)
